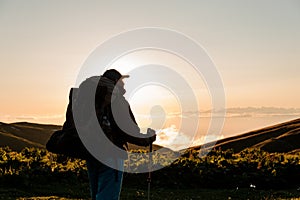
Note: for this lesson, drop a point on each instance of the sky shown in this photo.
(255, 46)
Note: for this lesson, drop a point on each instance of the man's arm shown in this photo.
(127, 125)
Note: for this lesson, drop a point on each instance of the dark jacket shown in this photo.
(123, 126)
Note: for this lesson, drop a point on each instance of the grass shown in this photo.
(208, 194)
(67, 192)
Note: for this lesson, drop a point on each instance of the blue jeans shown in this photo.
(105, 182)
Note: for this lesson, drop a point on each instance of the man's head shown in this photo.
(117, 78)
(114, 75)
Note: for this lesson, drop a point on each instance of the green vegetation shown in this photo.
(252, 173)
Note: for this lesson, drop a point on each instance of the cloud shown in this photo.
(53, 119)
(25, 118)
(262, 112)
(170, 137)
(230, 112)
(240, 112)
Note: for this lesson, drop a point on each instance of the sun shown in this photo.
(156, 110)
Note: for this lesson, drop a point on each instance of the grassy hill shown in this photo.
(24, 134)
(282, 137)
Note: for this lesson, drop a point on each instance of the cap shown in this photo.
(114, 75)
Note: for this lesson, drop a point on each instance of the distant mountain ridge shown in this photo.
(283, 137)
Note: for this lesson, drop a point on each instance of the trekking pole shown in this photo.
(149, 175)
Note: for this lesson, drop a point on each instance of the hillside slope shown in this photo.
(282, 137)
(24, 134)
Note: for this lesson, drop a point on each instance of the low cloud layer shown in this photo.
(41, 119)
(262, 112)
(242, 112)
(172, 138)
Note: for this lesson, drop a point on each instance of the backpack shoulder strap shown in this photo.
(69, 122)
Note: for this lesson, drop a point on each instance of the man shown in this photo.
(105, 182)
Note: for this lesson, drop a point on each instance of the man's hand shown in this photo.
(151, 135)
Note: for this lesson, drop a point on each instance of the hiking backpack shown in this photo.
(67, 141)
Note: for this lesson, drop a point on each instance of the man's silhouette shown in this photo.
(105, 182)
